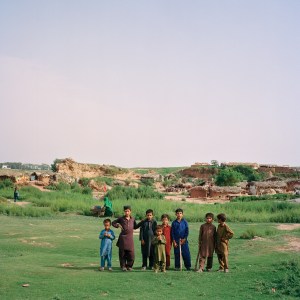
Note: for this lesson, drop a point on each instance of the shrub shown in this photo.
(84, 181)
(249, 234)
(125, 193)
(228, 177)
(87, 190)
(6, 183)
(248, 173)
(106, 180)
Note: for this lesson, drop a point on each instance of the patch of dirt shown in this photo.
(288, 226)
(258, 238)
(292, 244)
(183, 198)
(32, 242)
(21, 203)
(75, 237)
(67, 265)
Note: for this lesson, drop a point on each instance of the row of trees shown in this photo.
(20, 166)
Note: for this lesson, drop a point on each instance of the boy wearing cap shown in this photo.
(125, 242)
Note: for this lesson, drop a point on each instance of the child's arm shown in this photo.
(101, 236)
(173, 236)
(141, 235)
(229, 233)
(186, 233)
(163, 240)
(200, 235)
(116, 223)
(112, 235)
(154, 241)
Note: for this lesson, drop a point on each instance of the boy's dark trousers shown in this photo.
(145, 256)
(126, 258)
(209, 262)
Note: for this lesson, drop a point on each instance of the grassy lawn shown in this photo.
(58, 257)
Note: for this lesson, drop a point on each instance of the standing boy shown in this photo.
(125, 240)
(207, 240)
(159, 242)
(179, 234)
(224, 234)
(167, 233)
(106, 236)
(147, 230)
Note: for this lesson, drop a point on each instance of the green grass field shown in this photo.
(58, 257)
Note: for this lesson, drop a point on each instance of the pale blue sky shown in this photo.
(150, 83)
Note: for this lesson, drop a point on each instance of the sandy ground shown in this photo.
(288, 226)
(183, 198)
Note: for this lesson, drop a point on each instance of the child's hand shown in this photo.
(120, 226)
(142, 242)
(182, 241)
(159, 238)
(175, 244)
(223, 239)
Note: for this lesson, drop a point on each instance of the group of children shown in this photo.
(157, 240)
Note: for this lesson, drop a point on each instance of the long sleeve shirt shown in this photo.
(106, 242)
(179, 230)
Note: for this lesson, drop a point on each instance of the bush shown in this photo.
(248, 173)
(249, 234)
(228, 177)
(84, 181)
(125, 193)
(289, 283)
(87, 190)
(107, 180)
(6, 183)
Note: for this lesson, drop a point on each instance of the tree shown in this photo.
(248, 173)
(228, 177)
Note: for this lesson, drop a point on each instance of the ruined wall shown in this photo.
(201, 172)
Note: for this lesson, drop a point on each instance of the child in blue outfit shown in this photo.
(106, 236)
(179, 234)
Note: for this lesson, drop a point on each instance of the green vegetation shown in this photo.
(161, 171)
(228, 177)
(6, 183)
(265, 197)
(248, 173)
(126, 193)
(58, 257)
(67, 201)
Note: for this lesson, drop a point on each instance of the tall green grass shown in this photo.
(69, 202)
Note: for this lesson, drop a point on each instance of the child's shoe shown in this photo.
(208, 270)
(124, 269)
(110, 269)
(143, 268)
(101, 269)
(226, 271)
(129, 269)
(199, 271)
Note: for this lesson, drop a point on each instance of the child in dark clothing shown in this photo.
(147, 230)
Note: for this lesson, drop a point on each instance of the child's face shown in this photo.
(165, 221)
(149, 216)
(107, 226)
(179, 215)
(220, 221)
(127, 212)
(158, 232)
(209, 220)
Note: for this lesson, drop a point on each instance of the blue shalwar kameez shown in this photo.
(180, 231)
(106, 247)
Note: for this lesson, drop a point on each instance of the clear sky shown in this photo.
(150, 83)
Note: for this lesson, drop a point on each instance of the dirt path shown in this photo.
(183, 198)
(288, 226)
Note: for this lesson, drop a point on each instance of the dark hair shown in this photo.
(148, 211)
(127, 207)
(165, 216)
(107, 221)
(221, 217)
(159, 227)
(209, 215)
(178, 210)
